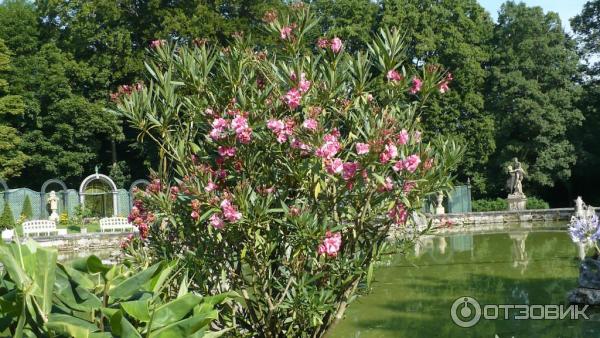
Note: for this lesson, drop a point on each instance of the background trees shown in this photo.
(532, 94)
(517, 88)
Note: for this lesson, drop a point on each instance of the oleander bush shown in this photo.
(282, 170)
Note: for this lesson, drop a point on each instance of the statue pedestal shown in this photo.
(54, 216)
(440, 210)
(516, 202)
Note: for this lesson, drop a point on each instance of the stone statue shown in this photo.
(53, 201)
(439, 208)
(516, 197)
(514, 183)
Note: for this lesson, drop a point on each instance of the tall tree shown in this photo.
(532, 92)
(12, 159)
(586, 27)
(456, 34)
(65, 132)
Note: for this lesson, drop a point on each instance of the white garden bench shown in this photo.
(39, 227)
(113, 224)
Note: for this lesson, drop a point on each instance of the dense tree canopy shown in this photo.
(516, 91)
(532, 94)
(456, 34)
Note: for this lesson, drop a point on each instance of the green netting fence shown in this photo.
(457, 201)
(68, 202)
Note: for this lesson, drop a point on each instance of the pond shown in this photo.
(413, 294)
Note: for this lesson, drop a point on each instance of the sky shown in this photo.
(565, 8)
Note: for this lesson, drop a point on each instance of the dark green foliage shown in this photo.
(456, 34)
(532, 94)
(536, 203)
(7, 220)
(27, 211)
(498, 204)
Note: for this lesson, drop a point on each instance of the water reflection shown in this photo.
(412, 295)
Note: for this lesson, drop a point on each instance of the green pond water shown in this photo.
(412, 294)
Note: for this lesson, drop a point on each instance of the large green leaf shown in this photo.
(175, 310)
(138, 309)
(186, 327)
(45, 277)
(122, 327)
(13, 267)
(72, 326)
(133, 284)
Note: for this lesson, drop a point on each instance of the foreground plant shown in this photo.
(283, 172)
(42, 298)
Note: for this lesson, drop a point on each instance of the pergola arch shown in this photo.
(45, 185)
(105, 179)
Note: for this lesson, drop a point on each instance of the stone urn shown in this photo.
(588, 291)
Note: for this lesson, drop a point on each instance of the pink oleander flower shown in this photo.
(304, 84)
(226, 151)
(210, 186)
(275, 125)
(329, 148)
(412, 162)
(336, 45)
(390, 152)
(297, 144)
(393, 76)
(334, 166)
(239, 123)
(218, 130)
(216, 221)
(416, 85)
(407, 187)
(443, 87)
(331, 244)
(286, 32)
(417, 136)
(195, 215)
(157, 43)
(362, 148)
(388, 185)
(398, 214)
(310, 124)
(398, 166)
(195, 204)
(322, 43)
(230, 212)
(244, 136)
(349, 170)
(292, 98)
(428, 164)
(402, 137)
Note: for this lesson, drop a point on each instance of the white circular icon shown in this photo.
(465, 311)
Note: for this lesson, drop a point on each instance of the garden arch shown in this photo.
(134, 185)
(102, 178)
(65, 200)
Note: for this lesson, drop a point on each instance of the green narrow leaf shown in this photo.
(45, 277)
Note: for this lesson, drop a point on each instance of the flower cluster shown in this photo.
(140, 217)
(443, 85)
(239, 125)
(125, 90)
(335, 44)
(331, 244)
(585, 230)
